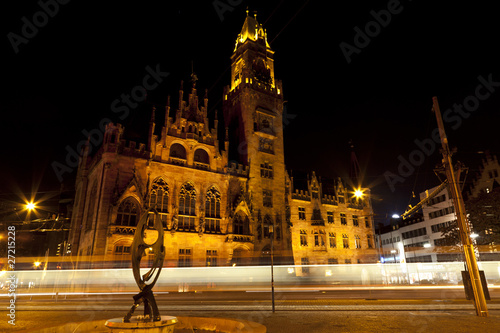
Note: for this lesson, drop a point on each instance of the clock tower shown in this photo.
(253, 107)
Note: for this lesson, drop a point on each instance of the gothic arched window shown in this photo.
(158, 198)
(212, 203)
(128, 212)
(212, 210)
(187, 205)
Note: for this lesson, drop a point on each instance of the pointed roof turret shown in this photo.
(252, 30)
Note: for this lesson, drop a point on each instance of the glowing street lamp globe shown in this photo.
(358, 193)
(30, 206)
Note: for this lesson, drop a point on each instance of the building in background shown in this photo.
(419, 237)
(487, 177)
(331, 224)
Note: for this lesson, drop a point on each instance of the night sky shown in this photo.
(65, 77)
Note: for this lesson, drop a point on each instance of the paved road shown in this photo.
(314, 310)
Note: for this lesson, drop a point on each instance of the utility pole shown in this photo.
(463, 225)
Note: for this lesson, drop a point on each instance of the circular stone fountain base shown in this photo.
(138, 324)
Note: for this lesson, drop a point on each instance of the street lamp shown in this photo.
(30, 206)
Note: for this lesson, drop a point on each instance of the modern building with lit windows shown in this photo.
(419, 237)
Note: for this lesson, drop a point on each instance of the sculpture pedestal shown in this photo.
(138, 325)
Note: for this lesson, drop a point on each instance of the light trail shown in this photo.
(311, 278)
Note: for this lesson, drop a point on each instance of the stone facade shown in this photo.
(330, 228)
(221, 202)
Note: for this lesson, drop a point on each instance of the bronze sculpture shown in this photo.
(144, 238)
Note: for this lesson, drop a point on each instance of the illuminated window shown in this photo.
(185, 258)
(357, 242)
(355, 221)
(303, 238)
(333, 240)
(127, 213)
(319, 238)
(211, 258)
(329, 216)
(121, 254)
(345, 241)
(302, 213)
(187, 205)
(343, 219)
(158, 198)
(266, 170)
(121, 250)
(212, 211)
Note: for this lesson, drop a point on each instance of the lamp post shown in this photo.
(271, 233)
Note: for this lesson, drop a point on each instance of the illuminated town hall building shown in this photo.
(221, 199)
